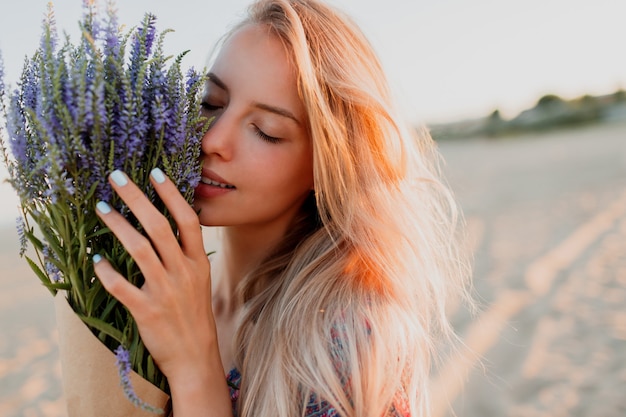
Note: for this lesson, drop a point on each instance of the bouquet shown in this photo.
(112, 101)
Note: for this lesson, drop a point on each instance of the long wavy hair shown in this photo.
(350, 307)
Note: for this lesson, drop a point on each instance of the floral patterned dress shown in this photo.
(315, 408)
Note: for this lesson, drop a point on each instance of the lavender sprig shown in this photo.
(21, 235)
(122, 361)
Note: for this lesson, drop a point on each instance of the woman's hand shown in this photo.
(173, 307)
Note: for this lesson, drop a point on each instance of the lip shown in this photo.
(211, 191)
(207, 173)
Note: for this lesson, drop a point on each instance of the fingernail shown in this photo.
(119, 178)
(96, 258)
(103, 207)
(158, 175)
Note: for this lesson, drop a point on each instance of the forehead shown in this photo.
(254, 65)
(256, 44)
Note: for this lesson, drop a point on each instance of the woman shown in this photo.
(338, 256)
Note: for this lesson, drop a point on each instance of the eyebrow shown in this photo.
(272, 109)
(216, 80)
(277, 110)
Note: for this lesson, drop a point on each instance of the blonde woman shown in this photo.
(338, 253)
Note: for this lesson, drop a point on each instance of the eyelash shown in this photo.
(265, 137)
(208, 107)
(271, 139)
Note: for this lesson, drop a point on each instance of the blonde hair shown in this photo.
(350, 306)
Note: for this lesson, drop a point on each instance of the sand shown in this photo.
(546, 216)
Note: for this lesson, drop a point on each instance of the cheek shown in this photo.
(296, 175)
(288, 169)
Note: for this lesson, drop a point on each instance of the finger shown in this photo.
(138, 246)
(154, 223)
(125, 292)
(184, 215)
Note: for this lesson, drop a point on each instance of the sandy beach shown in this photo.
(547, 224)
(546, 218)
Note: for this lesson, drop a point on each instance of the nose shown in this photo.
(218, 140)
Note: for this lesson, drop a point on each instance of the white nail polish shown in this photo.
(158, 175)
(103, 207)
(119, 178)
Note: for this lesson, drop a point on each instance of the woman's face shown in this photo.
(257, 155)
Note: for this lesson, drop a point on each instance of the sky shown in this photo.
(446, 60)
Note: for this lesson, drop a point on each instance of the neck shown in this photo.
(240, 251)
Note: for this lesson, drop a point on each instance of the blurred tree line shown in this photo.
(550, 112)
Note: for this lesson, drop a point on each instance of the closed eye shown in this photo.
(206, 106)
(265, 136)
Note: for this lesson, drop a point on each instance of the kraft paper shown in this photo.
(91, 382)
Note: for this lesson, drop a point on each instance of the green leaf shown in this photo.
(96, 295)
(30, 234)
(58, 286)
(40, 274)
(109, 307)
(82, 243)
(151, 369)
(100, 232)
(91, 192)
(139, 353)
(103, 327)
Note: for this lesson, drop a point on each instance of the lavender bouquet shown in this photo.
(78, 113)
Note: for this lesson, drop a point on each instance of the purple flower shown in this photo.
(25, 178)
(122, 361)
(17, 134)
(157, 96)
(21, 234)
(49, 39)
(147, 32)
(159, 113)
(48, 71)
(150, 29)
(111, 34)
(193, 78)
(142, 42)
(89, 23)
(69, 95)
(51, 268)
(29, 83)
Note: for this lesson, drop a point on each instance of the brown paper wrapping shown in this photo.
(91, 382)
